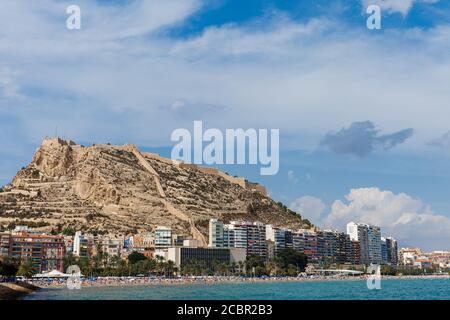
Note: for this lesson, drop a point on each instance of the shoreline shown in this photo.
(135, 281)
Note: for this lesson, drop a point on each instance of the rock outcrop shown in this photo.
(118, 189)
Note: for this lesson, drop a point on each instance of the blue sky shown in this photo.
(363, 115)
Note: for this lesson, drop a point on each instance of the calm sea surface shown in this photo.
(352, 289)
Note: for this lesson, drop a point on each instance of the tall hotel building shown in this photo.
(80, 245)
(374, 243)
(344, 248)
(256, 239)
(389, 251)
(277, 236)
(369, 239)
(216, 233)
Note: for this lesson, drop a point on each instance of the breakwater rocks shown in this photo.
(14, 291)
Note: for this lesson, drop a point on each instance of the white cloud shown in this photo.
(309, 207)
(291, 177)
(391, 6)
(8, 84)
(123, 66)
(111, 80)
(406, 218)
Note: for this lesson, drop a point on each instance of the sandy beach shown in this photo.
(131, 281)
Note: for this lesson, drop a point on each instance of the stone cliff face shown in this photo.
(117, 189)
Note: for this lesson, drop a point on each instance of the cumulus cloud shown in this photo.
(361, 138)
(406, 218)
(309, 207)
(441, 142)
(391, 6)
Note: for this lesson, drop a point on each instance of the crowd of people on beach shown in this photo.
(126, 281)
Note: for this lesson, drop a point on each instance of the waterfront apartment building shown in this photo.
(112, 247)
(228, 236)
(298, 241)
(277, 236)
(143, 243)
(238, 231)
(80, 245)
(343, 248)
(308, 239)
(5, 243)
(326, 245)
(333, 247)
(361, 244)
(216, 234)
(391, 250)
(360, 232)
(250, 236)
(369, 238)
(45, 251)
(256, 239)
(374, 244)
(355, 253)
(163, 237)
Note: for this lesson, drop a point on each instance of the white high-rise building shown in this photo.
(277, 236)
(359, 232)
(369, 238)
(80, 245)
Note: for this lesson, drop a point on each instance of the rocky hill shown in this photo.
(119, 190)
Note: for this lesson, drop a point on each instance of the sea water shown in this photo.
(391, 289)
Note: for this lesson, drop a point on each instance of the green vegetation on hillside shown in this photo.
(30, 224)
(305, 222)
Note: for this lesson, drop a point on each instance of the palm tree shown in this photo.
(169, 268)
(114, 261)
(242, 267)
(224, 269)
(26, 268)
